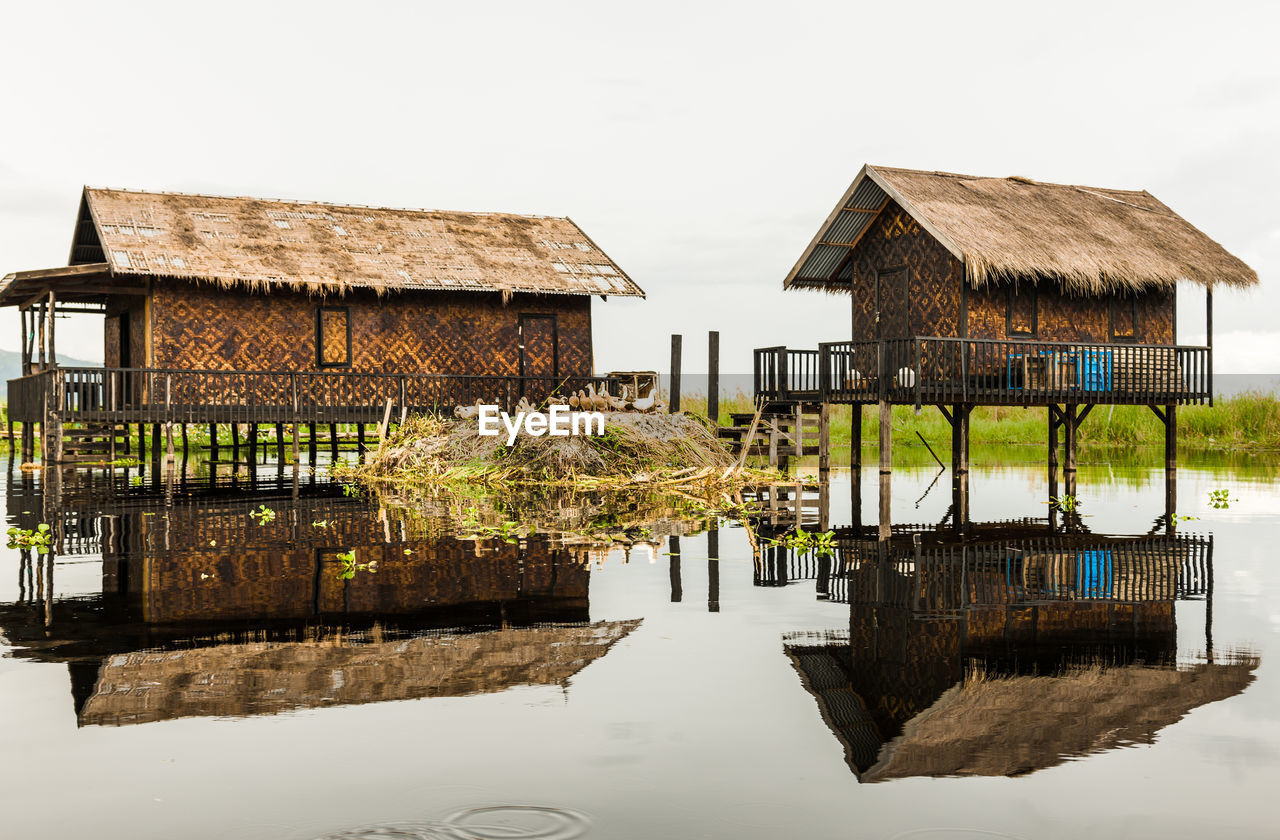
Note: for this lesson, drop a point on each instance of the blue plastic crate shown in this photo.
(1094, 371)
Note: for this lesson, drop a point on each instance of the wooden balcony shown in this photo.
(948, 371)
(155, 395)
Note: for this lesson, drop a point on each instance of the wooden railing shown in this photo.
(155, 395)
(933, 370)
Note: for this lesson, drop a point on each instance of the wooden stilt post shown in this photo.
(311, 444)
(1170, 464)
(855, 438)
(142, 443)
(886, 437)
(713, 377)
(674, 404)
(186, 443)
(1070, 417)
(297, 455)
(155, 443)
(333, 440)
(360, 437)
(797, 432)
(824, 439)
(251, 429)
(235, 442)
(168, 442)
(280, 442)
(1054, 422)
(213, 442)
(773, 441)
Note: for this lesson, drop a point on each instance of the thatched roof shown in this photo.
(325, 248)
(1017, 725)
(1090, 240)
(263, 678)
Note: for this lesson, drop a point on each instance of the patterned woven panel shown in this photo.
(894, 240)
(1070, 317)
(202, 327)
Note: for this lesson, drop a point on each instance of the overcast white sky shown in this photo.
(700, 144)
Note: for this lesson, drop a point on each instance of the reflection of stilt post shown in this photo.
(677, 590)
(713, 570)
(1208, 603)
(1053, 495)
(885, 523)
(48, 589)
(960, 501)
(886, 466)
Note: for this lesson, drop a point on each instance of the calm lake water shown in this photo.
(193, 673)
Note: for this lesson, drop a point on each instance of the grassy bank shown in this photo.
(1242, 421)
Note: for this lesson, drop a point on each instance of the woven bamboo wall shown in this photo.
(204, 327)
(895, 240)
(1070, 317)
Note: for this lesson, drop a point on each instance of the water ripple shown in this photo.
(491, 822)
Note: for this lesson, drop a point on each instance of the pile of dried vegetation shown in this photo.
(653, 450)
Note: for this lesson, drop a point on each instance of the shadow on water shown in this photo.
(205, 609)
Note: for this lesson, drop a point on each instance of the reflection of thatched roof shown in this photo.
(263, 245)
(1016, 725)
(268, 678)
(1089, 239)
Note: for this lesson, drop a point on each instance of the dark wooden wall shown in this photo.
(896, 240)
(1064, 317)
(205, 327)
(136, 309)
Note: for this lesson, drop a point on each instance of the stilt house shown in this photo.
(1002, 291)
(238, 309)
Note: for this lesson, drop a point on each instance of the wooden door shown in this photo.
(539, 346)
(892, 319)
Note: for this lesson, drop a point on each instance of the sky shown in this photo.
(700, 144)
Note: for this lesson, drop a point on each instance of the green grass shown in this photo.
(1243, 421)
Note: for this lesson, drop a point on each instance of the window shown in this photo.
(333, 336)
(1124, 318)
(1021, 311)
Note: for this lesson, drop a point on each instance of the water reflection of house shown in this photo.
(1006, 652)
(203, 611)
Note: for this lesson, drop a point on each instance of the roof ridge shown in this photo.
(299, 201)
(1017, 178)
